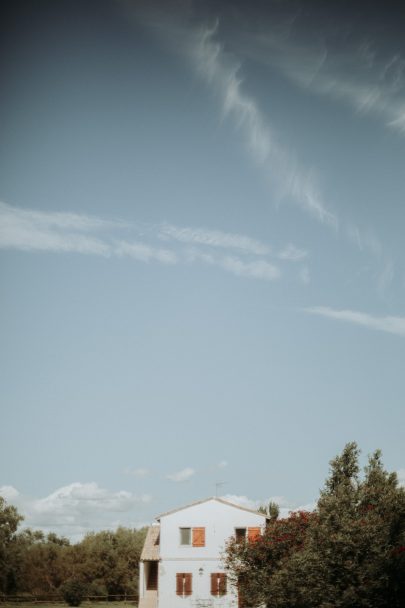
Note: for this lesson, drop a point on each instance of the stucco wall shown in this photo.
(201, 584)
(219, 521)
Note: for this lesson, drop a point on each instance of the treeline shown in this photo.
(348, 553)
(103, 563)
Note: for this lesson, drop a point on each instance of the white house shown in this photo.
(181, 559)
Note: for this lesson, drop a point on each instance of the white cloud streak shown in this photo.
(292, 253)
(56, 232)
(357, 76)
(392, 325)
(183, 475)
(401, 477)
(139, 472)
(260, 269)
(255, 269)
(221, 72)
(214, 238)
(305, 276)
(145, 253)
(286, 506)
(28, 230)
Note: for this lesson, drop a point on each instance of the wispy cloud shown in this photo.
(214, 238)
(183, 475)
(392, 325)
(292, 253)
(145, 253)
(305, 276)
(139, 472)
(358, 75)
(401, 477)
(222, 72)
(56, 232)
(258, 269)
(285, 505)
(29, 230)
(365, 240)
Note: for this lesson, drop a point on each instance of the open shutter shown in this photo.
(198, 537)
(253, 534)
(188, 584)
(214, 583)
(179, 583)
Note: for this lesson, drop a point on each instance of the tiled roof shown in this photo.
(151, 547)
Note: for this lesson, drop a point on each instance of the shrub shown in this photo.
(73, 592)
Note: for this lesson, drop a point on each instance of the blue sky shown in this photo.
(202, 253)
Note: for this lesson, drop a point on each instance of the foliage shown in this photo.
(349, 553)
(31, 562)
(252, 565)
(272, 510)
(73, 592)
(9, 520)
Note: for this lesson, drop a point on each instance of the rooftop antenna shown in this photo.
(217, 485)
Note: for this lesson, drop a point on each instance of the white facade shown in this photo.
(184, 570)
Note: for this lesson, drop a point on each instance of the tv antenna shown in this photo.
(217, 486)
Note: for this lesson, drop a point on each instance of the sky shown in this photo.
(201, 252)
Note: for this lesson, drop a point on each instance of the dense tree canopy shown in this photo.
(104, 563)
(348, 553)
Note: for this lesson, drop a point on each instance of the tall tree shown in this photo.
(9, 521)
(352, 552)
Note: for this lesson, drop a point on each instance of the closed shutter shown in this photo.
(184, 583)
(241, 592)
(253, 534)
(198, 537)
(179, 583)
(218, 583)
(222, 584)
(188, 584)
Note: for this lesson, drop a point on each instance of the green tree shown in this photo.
(351, 554)
(9, 521)
(109, 561)
(253, 565)
(272, 510)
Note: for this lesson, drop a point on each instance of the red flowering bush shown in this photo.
(349, 553)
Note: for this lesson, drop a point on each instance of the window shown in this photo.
(198, 537)
(240, 534)
(185, 536)
(218, 584)
(192, 536)
(253, 534)
(184, 583)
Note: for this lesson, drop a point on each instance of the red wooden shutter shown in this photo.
(179, 583)
(222, 584)
(253, 534)
(218, 583)
(188, 584)
(198, 537)
(241, 594)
